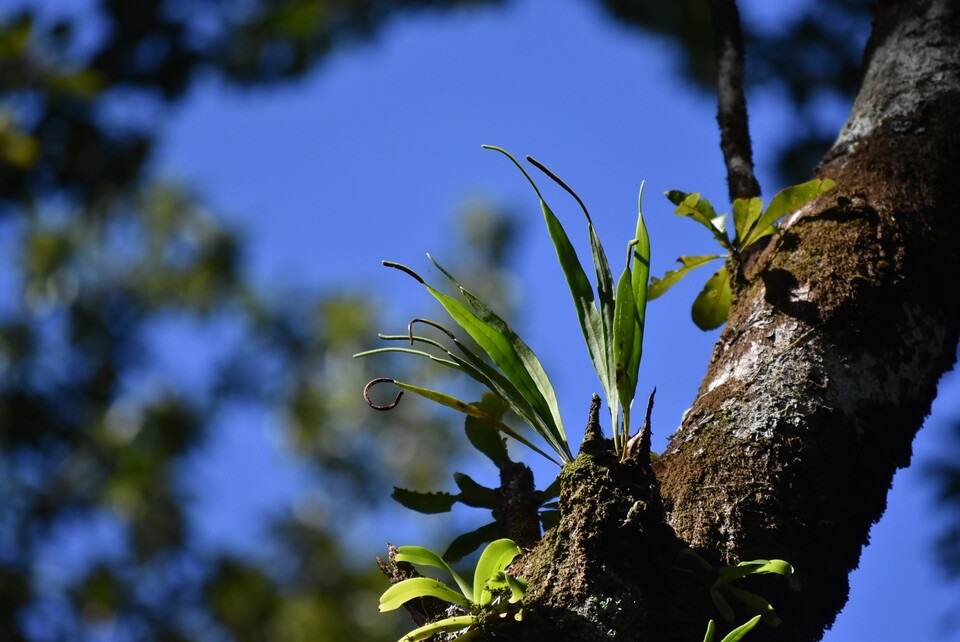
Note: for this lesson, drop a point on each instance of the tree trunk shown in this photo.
(816, 388)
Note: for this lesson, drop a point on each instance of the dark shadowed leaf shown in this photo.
(424, 502)
(469, 542)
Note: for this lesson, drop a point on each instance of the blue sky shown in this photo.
(369, 157)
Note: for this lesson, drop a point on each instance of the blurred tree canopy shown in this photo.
(101, 255)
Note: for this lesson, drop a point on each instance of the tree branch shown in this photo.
(731, 102)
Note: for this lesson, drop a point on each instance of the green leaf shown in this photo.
(712, 305)
(485, 437)
(591, 322)
(473, 494)
(711, 629)
(641, 264)
(447, 624)
(476, 368)
(415, 587)
(426, 557)
(753, 567)
(701, 211)
(514, 358)
(671, 278)
(518, 588)
(467, 543)
(786, 201)
(424, 502)
(626, 348)
(496, 557)
(471, 410)
(745, 214)
(737, 634)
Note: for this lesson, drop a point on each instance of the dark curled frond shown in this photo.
(428, 322)
(376, 406)
(556, 179)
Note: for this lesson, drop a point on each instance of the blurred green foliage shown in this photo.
(100, 256)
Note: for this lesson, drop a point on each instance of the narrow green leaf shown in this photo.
(626, 348)
(519, 362)
(473, 411)
(640, 267)
(786, 201)
(447, 624)
(640, 277)
(495, 558)
(712, 305)
(419, 353)
(410, 589)
(467, 543)
(605, 290)
(589, 317)
(426, 557)
(671, 278)
(737, 634)
(711, 629)
(474, 494)
(424, 502)
(746, 211)
(478, 369)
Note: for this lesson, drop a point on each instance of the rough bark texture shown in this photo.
(826, 370)
(833, 351)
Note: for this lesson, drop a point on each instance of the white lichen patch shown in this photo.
(890, 92)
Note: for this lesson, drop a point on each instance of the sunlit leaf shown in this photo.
(753, 567)
(786, 201)
(471, 410)
(514, 358)
(447, 624)
(518, 587)
(711, 629)
(712, 305)
(410, 589)
(701, 211)
(746, 211)
(591, 322)
(626, 343)
(426, 557)
(671, 278)
(737, 634)
(495, 558)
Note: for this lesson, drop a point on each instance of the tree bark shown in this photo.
(815, 390)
